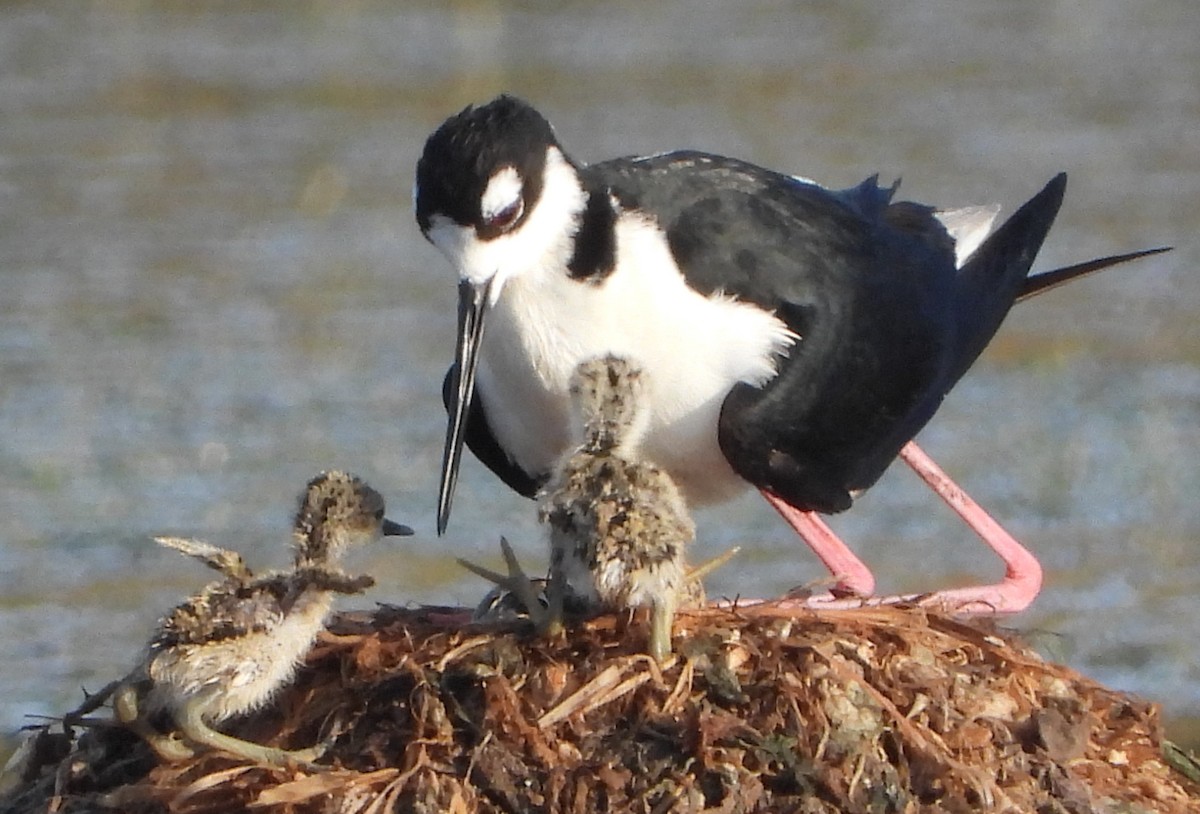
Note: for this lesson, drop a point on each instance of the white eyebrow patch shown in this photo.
(503, 190)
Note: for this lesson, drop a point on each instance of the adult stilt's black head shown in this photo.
(479, 181)
(482, 169)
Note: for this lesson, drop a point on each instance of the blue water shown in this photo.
(211, 287)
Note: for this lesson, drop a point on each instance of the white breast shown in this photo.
(693, 348)
(238, 675)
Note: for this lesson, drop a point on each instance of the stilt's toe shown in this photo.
(547, 620)
(169, 747)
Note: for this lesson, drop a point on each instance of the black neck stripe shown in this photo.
(595, 253)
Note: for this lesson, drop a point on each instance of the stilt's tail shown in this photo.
(995, 275)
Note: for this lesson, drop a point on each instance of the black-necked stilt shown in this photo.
(230, 648)
(796, 338)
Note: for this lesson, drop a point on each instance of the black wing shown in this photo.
(886, 322)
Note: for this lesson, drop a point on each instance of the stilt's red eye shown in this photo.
(503, 220)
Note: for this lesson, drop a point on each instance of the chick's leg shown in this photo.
(190, 720)
(127, 711)
(662, 618)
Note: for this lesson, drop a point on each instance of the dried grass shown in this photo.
(883, 710)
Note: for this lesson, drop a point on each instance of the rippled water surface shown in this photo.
(211, 287)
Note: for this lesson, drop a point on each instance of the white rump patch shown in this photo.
(969, 226)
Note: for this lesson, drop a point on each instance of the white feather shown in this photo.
(969, 226)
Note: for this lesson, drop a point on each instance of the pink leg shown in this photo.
(853, 575)
(1022, 578)
(1022, 572)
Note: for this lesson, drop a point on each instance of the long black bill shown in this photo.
(391, 529)
(473, 301)
(1040, 283)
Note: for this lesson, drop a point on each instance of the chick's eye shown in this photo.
(506, 217)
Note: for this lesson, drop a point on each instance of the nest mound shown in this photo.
(881, 710)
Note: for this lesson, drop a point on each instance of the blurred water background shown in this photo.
(211, 287)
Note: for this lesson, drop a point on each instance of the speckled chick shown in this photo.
(230, 648)
(618, 524)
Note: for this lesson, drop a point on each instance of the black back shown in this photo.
(886, 323)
